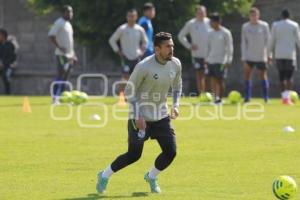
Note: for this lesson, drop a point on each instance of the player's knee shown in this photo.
(171, 154)
(134, 156)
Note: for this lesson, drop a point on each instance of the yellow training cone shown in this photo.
(26, 105)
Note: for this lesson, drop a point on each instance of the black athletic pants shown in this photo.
(63, 72)
(161, 131)
(6, 74)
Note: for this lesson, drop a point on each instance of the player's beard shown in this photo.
(169, 56)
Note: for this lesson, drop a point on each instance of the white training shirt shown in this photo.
(219, 47)
(131, 40)
(284, 38)
(63, 32)
(149, 85)
(254, 44)
(198, 30)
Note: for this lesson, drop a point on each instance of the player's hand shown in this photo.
(269, 60)
(75, 60)
(205, 68)
(71, 61)
(226, 65)
(62, 49)
(121, 54)
(142, 51)
(174, 113)
(194, 47)
(140, 123)
(13, 65)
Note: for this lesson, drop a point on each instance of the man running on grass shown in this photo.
(146, 93)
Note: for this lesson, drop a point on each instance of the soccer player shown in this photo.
(219, 55)
(254, 45)
(284, 38)
(133, 42)
(61, 35)
(146, 92)
(197, 28)
(145, 22)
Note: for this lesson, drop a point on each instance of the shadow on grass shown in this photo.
(96, 196)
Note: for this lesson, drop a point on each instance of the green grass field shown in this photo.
(42, 158)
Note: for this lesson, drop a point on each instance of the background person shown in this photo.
(145, 22)
(61, 35)
(197, 28)
(8, 58)
(219, 56)
(254, 45)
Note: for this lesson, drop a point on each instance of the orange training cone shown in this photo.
(122, 99)
(26, 105)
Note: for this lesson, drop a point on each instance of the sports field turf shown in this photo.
(42, 158)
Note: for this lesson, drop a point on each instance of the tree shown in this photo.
(95, 20)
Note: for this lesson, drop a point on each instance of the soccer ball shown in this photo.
(284, 187)
(65, 97)
(78, 97)
(84, 97)
(294, 96)
(234, 97)
(206, 97)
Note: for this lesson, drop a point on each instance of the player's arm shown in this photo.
(144, 25)
(113, 41)
(144, 41)
(52, 39)
(182, 36)
(12, 55)
(229, 48)
(297, 36)
(272, 41)
(267, 39)
(243, 44)
(176, 92)
(52, 35)
(207, 51)
(136, 79)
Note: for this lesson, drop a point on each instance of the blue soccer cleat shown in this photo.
(153, 183)
(101, 183)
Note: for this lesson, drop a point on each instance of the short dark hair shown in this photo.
(285, 13)
(131, 10)
(215, 17)
(147, 6)
(4, 33)
(66, 8)
(160, 37)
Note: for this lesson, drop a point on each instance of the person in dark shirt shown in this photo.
(7, 59)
